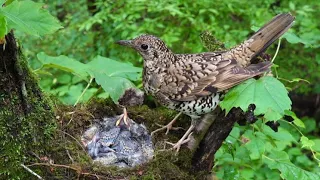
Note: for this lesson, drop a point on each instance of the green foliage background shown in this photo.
(92, 27)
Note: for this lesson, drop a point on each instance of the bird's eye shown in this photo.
(144, 46)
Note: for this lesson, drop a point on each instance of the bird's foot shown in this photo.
(168, 126)
(177, 146)
(124, 118)
(185, 138)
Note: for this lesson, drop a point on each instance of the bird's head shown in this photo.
(149, 47)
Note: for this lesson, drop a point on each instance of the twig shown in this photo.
(30, 171)
(56, 165)
(73, 138)
(275, 55)
(34, 154)
(84, 91)
(278, 47)
(78, 112)
(69, 155)
(78, 170)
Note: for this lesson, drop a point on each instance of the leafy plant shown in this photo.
(26, 16)
(267, 93)
(113, 76)
(260, 151)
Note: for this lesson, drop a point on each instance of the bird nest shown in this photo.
(118, 145)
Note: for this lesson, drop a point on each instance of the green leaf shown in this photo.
(6, 2)
(103, 95)
(61, 90)
(293, 38)
(296, 120)
(231, 173)
(113, 76)
(268, 94)
(256, 147)
(115, 68)
(39, 71)
(30, 17)
(3, 26)
(88, 94)
(306, 142)
(271, 114)
(64, 79)
(282, 135)
(316, 146)
(234, 135)
(73, 93)
(318, 58)
(229, 148)
(64, 63)
(280, 160)
(115, 86)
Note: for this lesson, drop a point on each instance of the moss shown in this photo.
(27, 120)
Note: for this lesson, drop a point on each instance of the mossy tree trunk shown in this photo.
(26, 116)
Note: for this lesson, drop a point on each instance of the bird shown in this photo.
(193, 84)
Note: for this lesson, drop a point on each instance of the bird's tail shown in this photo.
(270, 32)
(263, 38)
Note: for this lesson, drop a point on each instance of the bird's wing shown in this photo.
(205, 75)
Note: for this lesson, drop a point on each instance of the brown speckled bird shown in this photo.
(192, 83)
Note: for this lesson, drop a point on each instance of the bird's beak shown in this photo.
(125, 43)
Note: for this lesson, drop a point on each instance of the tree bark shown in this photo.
(203, 158)
(26, 116)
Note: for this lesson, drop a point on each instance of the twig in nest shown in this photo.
(73, 138)
(35, 155)
(69, 155)
(30, 171)
(78, 111)
(77, 169)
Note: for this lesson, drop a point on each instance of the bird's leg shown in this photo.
(168, 126)
(123, 117)
(185, 138)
